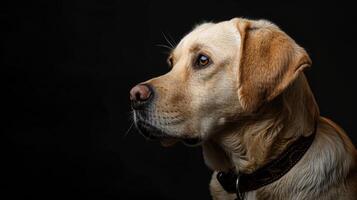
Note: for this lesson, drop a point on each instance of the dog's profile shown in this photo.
(238, 89)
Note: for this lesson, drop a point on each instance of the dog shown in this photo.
(237, 88)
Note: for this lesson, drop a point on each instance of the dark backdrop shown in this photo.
(68, 67)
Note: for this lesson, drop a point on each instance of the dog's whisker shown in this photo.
(165, 46)
(129, 129)
(172, 39)
(168, 41)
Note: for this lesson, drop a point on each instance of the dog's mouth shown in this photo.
(151, 132)
(192, 141)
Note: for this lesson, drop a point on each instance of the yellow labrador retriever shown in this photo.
(238, 89)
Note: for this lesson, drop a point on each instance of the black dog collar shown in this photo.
(274, 170)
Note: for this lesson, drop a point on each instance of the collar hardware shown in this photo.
(240, 195)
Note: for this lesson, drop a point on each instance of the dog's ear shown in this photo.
(269, 61)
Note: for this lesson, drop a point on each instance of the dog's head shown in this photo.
(220, 72)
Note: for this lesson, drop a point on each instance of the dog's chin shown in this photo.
(150, 132)
(168, 142)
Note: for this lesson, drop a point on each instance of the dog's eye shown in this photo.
(202, 60)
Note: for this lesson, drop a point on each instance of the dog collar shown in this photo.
(241, 183)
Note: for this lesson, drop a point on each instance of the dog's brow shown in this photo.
(196, 47)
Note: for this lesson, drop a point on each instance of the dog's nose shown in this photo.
(140, 95)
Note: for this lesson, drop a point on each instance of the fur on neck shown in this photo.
(249, 142)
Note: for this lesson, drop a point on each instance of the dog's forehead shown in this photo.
(221, 36)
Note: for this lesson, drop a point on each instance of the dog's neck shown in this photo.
(251, 142)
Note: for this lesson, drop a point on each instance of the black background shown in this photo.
(69, 65)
